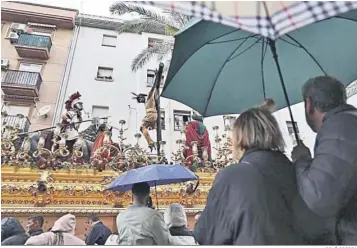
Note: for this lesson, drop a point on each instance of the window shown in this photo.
(180, 119)
(289, 124)
(229, 121)
(105, 74)
(162, 121)
(12, 119)
(17, 109)
(30, 67)
(153, 41)
(109, 40)
(100, 111)
(150, 77)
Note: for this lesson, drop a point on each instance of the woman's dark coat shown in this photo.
(12, 232)
(255, 202)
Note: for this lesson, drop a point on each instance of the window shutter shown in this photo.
(109, 40)
(100, 111)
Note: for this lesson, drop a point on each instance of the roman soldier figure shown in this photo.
(72, 116)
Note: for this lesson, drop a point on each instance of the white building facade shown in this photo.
(100, 69)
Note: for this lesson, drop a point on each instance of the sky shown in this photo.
(92, 7)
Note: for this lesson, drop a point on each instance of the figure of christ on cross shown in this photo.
(149, 121)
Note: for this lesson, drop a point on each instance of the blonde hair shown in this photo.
(257, 128)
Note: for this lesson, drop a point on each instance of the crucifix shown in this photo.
(157, 105)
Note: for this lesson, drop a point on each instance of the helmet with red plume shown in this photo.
(73, 99)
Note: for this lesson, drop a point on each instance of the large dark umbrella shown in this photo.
(270, 19)
(217, 69)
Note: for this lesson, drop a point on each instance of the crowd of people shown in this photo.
(265, 199)
(140, 224)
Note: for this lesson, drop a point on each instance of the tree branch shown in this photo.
(159, 49)
(141, 25)
(121, 8)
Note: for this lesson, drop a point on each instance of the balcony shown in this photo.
(33, 46)
(12, 120)
(21, 83)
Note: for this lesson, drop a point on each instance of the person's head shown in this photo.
(257, 128)
(198, 215)
(34, 223)
(175, 216)
(141, 192)
(322, 94)
(65, 224)
(92, 220)
(10, 227)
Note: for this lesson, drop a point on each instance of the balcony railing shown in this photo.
(31, 45)
(12, 120)
(33, 40)
(23, 82)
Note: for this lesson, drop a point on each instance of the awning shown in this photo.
(33, 24)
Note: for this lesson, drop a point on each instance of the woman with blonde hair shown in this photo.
(253, 202)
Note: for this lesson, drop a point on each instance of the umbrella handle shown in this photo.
(275, 57)
(197, 184)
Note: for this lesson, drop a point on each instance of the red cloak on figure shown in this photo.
(196, 131)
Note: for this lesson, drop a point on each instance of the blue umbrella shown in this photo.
(218, 70)
(156, 174)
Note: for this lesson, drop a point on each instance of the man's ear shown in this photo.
(308, 106)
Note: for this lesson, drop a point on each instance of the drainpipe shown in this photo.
(64, 85)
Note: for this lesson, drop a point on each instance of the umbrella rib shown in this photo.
(311, 56)
(226, 41)
(257, 41)
(219, 73)
(345, 18)
(290, 43)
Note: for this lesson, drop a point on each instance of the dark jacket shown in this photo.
(98, 234)
(328, 183)
(180, 231)
(255, 202)
(12, 232)
(35, 233)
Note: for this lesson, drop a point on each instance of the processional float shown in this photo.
(64, 167)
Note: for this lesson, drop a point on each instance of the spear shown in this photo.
(48, 128)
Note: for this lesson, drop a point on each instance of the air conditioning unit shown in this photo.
(13, 36)
(18, 27)
(4, 63)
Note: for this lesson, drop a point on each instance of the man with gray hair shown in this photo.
(328, 182)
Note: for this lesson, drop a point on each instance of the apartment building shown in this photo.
(100, 69)
(35, 43)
